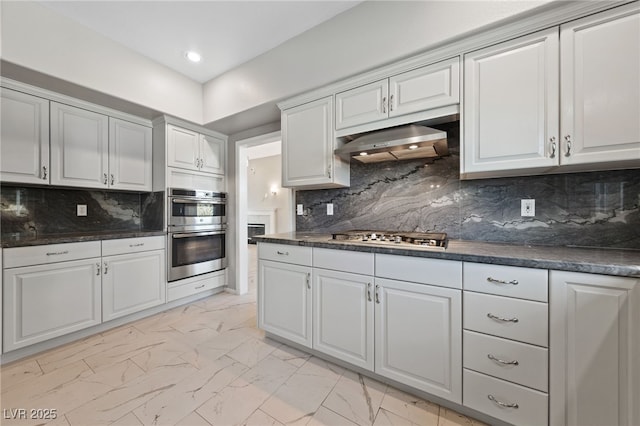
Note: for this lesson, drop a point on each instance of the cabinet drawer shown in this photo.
(132, 245)
(50, 253)
(341, 260)
(285, 253)
(177, 290)
(513, 361)
(512, 281)
(515, 319)
(484, 393)
(442, 273)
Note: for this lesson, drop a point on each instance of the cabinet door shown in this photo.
(511, 105)
(79, 147)
(183, 148)
(211, 154)
(132, 283)
(343, 316)
(595, 349)
(47, 301)
(419, 336)
(130, 156)
(284, 300)
(362, 105)
(425, 88)
(308, 144)
(600, 66)
(24, 132)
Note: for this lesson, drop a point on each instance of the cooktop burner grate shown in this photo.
(423, 239)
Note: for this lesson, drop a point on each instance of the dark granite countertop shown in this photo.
(624, 263)
(24, 241)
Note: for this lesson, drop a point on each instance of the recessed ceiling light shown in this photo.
(193, 56)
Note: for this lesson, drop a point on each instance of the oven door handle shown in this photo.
(196, 201)
(197, 234)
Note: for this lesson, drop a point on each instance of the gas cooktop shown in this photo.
(431, 240)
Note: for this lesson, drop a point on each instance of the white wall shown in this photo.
(37, 38)
(263, 174)
(367, 36)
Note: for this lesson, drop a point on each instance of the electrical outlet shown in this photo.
(329, 209)
(299, 209)
(81, 209)
(527, 207)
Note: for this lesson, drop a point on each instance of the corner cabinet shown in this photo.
(595, 349)
(590, 68)
(92, 150)
(308, 142)
(24, 127)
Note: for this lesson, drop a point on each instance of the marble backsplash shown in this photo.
(28, 212)
(595, 209)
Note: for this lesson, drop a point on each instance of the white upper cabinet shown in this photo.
(79, 147)
(188, 149)
(130, 156)
(562, 99)
(511, 104)
(600, 87)
(308, 143)
(92, 150)
(417, 90)
(24, 126)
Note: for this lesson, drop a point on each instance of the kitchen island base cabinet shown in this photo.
(343, 316)
(595, 349)
(284, 300)
(419, 336)
(46, 301)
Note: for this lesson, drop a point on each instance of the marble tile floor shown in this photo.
(204, 363)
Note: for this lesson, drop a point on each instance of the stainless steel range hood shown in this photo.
(398, 143)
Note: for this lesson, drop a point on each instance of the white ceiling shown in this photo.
(225, 33)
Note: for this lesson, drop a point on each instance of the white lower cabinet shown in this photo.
(46, 301)
(419, 336)
(595, 349)
(53, 290)
(343, 316)
(284, 292)
(131, 283)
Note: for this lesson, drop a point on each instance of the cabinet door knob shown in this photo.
(567, 139)
(44, 172)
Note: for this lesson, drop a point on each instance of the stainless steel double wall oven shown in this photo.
(197, 224)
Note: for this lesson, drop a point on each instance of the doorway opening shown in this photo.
(260, 200)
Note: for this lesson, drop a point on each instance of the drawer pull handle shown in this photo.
(369, 292)
(497, 318)
(502, 404)
(283, 253)
(495, 281)
(501, 361)
(377, 294)
(136, 245)
(57, 253)
(198, 286)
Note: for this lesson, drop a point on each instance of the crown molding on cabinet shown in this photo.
(68, 100)
(548, 16)
(168, 119)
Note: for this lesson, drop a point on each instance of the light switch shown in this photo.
(81, 209)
